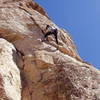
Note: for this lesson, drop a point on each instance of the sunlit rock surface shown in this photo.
(40, 70)
(10, 79)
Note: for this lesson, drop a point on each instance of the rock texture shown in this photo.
(47, 71)
(10, 82)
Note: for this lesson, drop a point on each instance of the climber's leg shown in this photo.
(48, 33)
(46, 36)
(56, 38)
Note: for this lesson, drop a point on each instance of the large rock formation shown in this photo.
(10, 82)
(34, 70)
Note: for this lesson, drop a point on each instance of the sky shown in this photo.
(81, 18)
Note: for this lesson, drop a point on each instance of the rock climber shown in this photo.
(49, 31)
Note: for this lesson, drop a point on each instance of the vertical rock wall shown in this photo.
(47, 71)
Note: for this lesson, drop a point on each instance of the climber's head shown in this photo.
(47, 26)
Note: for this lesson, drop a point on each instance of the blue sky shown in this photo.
(81, 18)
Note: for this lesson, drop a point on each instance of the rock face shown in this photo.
(34, 70)
(10, 82)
